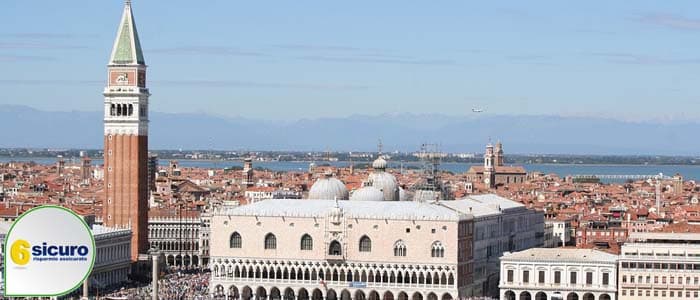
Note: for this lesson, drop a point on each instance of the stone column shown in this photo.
(154, 275)
(85, 288)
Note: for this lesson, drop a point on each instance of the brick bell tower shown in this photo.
(126, 136)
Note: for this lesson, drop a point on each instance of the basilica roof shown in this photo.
(329, 188)
(392, 210)
(449, 210)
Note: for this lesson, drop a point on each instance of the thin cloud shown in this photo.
(49, 82)
(27, 58)
(527, 57)
(594, 31)
(209, 50)
(637, 59)
(252, 84)
(39, 46)
(195, 83)
(46, 35)
(671, 21)
(356, 59)
(310, 47)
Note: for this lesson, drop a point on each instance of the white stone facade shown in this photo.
(113, 256)
(323, 249)
(177, 238)
(561, 231)
(545, 273)
(500, 225)
(660, 266)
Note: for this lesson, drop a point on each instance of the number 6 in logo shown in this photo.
(19, 252)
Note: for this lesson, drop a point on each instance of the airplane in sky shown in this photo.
(477, 110)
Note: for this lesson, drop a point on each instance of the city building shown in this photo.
(176, 234)
(660, 265)
(126, 136)
(326, 249)
(152, 171)
(561, 231)
(4, 229)
(86, 170)
(248, 172)
(500, 225)
(494, 173)
(559, 273)
(112, 257)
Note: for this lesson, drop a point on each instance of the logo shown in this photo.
(19, 252)
(50, 252)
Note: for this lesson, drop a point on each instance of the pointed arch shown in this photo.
(437, 249)
(399, 248)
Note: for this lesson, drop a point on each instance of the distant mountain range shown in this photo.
(28, 127)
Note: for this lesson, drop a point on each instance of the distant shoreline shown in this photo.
(4, 158)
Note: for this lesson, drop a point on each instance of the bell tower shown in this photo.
(126, 136)
(489, 168)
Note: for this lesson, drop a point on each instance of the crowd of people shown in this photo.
(172, 286)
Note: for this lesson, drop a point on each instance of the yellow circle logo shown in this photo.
(19, 252)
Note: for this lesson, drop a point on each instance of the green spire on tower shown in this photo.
(127, 47)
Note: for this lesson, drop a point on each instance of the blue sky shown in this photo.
(287, 60)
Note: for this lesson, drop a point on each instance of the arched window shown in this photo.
(400, 248)
(306, 242)
(437, 250)
(235, 240)
(131, 109)
(112, 110)
(119, 109)
(365, 244)
(335, 249)
(270, 241)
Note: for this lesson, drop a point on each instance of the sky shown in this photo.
(288, 60)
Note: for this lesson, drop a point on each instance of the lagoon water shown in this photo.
(688, 171)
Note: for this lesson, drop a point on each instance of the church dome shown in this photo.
(367, 193)
(379, 163)
(328, 188)
(386, 183)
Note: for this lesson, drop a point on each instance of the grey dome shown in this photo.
(367, 193)
(379, 163)
(328, 188)
(386, 183)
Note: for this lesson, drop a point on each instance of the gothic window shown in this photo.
(270, 241)
(437, 250)
(400, 248)
(235, 241)
(334, 248)
(306, 242)
(365, 244)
